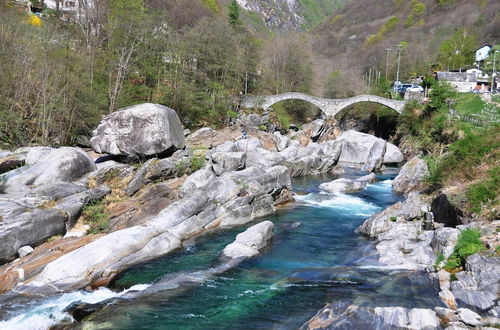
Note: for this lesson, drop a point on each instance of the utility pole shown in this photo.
(246, 83)
(399, 47)
(387, 62)
(493, 73)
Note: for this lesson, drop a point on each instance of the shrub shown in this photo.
(197, 163)
(468, 244)
(393, 219)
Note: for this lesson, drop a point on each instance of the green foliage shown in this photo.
(95, 215)
(441, 94)
(417, 11)
(197, 162)
(212, 4)
(458, 51)
(443, 2)
(386, 28)
(393, 219)
(316, 11)
(234, 13)
(468, 243)
(486, 191)
(440, 258)
(263, 128)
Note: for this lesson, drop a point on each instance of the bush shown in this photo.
(440, 258)
(197, 163)
(468, 244)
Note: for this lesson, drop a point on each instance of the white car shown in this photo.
(415, 88)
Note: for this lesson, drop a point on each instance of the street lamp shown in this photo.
(399, 47)
(387, 62)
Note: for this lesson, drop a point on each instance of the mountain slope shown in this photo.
(291, 14)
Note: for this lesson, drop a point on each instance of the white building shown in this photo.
(463, 82)
(483, 52)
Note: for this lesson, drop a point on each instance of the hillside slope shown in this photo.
(291, 15)
(357, 35)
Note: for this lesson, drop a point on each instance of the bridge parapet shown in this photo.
(329, 106)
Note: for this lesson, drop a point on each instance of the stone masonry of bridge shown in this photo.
(330, 107)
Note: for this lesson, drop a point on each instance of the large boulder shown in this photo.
(376, 156)
(359, 149)
(249, 242)
(393, 154)
(55, 165)
(140, 130)
(411, 177)
(345, 185)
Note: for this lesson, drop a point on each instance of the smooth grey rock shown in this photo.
(201, 134)
(29, 228)
(24, 251)
(469, 317)
(227, 146)
(140, 130)
(411, 177)
(356, 149)
(186, 132)
(228, 161)
(59, 165)
(282, 141)
(336, 316)
(380, 223)
(457, 326)
(344, 185)
(392, 154)
(444, 240)
(476, 288)
(376, 156)
(252, 120)
(57, 190)
(315, 129)
(249, 242)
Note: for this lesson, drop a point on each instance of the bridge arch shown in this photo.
(330, 107)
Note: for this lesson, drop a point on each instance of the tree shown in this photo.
(458, 51)
(234, 13)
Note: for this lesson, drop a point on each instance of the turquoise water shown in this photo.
(313, 259)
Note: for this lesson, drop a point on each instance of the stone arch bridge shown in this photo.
(330, 107)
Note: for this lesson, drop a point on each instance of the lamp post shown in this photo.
(493, 73)
(399, 47)
(387, 62)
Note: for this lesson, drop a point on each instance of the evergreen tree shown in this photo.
(234, 13)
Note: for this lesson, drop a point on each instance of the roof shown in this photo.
(485, 45)
(457, 76)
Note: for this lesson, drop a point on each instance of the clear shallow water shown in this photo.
(314, 258)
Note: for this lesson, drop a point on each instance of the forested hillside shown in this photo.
(355, 38)
(58, 78)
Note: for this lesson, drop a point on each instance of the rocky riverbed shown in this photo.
(163, 188)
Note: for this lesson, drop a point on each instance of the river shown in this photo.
(315, 257)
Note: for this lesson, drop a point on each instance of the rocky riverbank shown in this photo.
(176, 192)
(162, 185)
(408, 238)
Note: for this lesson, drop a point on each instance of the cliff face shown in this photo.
(291, 14)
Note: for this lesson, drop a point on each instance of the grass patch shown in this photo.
(485, 192)
(469, 104)
(440, 258)
(96, 216)
(468, 243)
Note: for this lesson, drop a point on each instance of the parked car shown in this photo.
(415, 89)
(402, 88)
